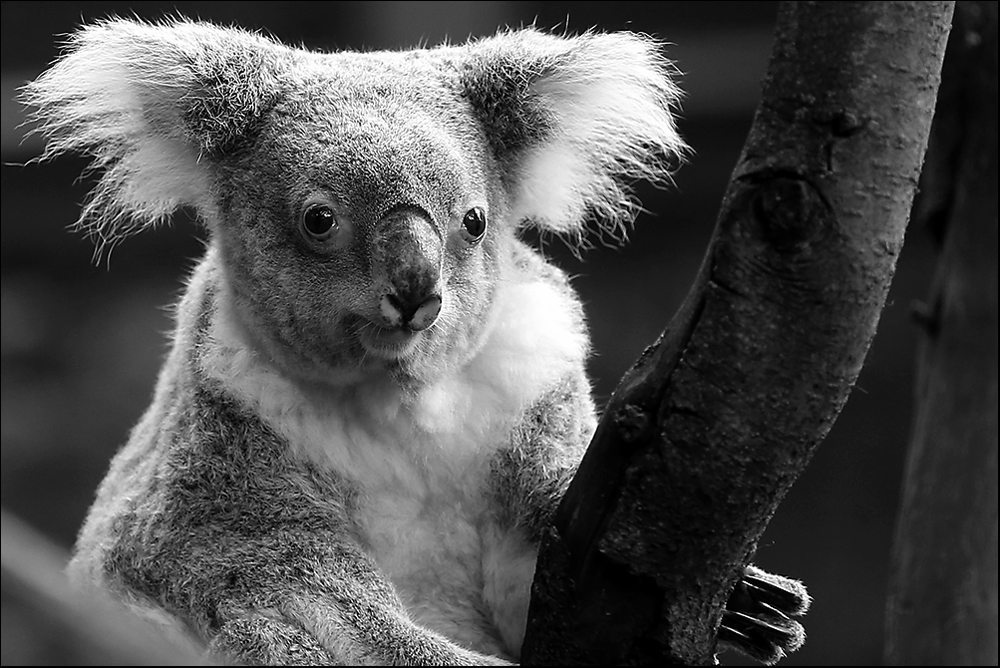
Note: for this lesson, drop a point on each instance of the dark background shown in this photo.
(82, 342)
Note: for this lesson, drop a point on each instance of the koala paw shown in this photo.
(757, 620)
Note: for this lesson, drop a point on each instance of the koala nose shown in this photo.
(415, 316)
(407, 258)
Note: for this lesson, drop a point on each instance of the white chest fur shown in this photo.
(420, 460)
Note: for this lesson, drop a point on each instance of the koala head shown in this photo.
(364, 207)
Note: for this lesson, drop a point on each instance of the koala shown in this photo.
(375, 394)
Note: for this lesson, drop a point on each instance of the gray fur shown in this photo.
(315, 482)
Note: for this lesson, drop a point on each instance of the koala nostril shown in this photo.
(416, 314)
(426, 313)
(391, 310)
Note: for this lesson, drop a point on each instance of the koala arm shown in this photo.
(264, 570)
(530, 474)
(357, 621)
(312, 609)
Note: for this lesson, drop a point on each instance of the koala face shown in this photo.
(368, 239)
(365, 206)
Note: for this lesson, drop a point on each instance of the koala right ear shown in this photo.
(148, 102)
(572, 120)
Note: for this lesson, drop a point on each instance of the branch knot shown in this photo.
(632, 423)
(790, 210)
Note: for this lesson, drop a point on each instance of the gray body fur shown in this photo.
(359, 433)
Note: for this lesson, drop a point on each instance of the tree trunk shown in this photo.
(707, 432)
(943, 591)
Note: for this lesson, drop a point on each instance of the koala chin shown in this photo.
(376, 393)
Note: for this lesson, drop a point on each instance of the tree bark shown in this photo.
(943, 590)
(707, 432)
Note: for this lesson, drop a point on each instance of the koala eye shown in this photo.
(474, 224)
(319, 222)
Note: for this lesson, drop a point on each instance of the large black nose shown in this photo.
(407, 257)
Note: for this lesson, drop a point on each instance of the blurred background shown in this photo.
(82, 342)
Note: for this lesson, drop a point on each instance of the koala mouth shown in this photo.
(388, 344)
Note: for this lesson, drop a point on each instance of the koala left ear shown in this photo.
(573, 121)
(150, 101)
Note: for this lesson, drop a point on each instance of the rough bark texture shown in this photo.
(707, 432)
(943, 593)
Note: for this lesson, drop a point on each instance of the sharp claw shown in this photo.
(756, 620)
(779, 597)
(753, 645)
(755, 627)
(729, 634)
(773, 611)
(785, 594)
(764, 641)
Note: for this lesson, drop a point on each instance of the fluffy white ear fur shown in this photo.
(146, 101)
(606, 102)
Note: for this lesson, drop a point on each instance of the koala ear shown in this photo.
(148, 102)
(573, 121)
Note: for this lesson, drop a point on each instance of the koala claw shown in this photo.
(757, 620)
